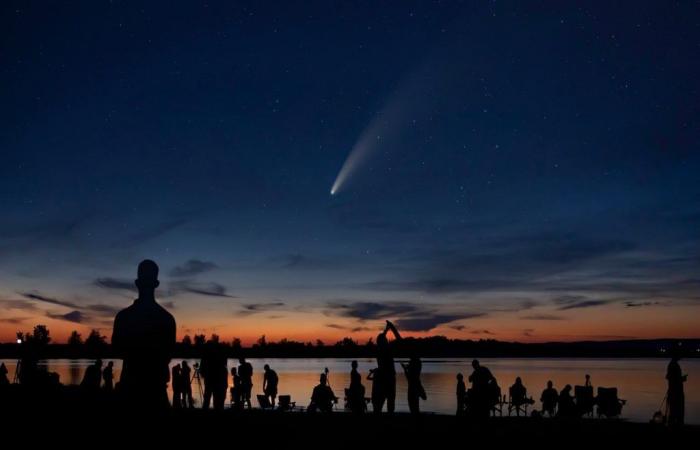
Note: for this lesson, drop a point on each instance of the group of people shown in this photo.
(144, 337)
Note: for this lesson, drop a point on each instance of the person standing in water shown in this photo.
(144, 337)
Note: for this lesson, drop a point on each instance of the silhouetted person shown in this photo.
(376, 394)
(144, 336)
(518, 396)
(93, 377)
(236, 389)
(176, 382)
(245, 371)
(549, 399)
(322, 397)
(676, 395)
(108, 377)
(186, 377)
(566, 407)
(214, 374)
(4, 381)
(270, 381)
(461, 393)
(415, 390)
(385, 375)
(356, 391)
(482, 391)
(587, 383)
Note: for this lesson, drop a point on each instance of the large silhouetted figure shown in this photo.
(385, 374)
(566, 407)
(144, 336)
(676, 395)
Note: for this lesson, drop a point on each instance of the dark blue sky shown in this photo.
(529, 170)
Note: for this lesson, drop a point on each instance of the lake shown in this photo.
(639, 381)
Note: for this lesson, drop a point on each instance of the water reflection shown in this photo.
(640, 381)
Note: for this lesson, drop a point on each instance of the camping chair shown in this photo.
(497, 401)
(285, 403)
(264, 402)
(518, 402)
(347, 401)
(583, 396)
(609, 405)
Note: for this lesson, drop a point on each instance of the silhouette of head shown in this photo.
(353, 364)
(241, 360)
(98, 362)
(266, 367)
(588, 377)
(110, 364)
(475, 364)
(322, 379)
(147, 277)
(567, 388)
(184, 363)
(518, 380)
(460, 377)
(550, 384)
(382, 341)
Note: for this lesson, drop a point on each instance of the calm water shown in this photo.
(639, 381)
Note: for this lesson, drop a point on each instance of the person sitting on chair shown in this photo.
(518, 396)
(566, 407)
(322, 397)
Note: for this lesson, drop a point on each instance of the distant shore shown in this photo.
(431, 347)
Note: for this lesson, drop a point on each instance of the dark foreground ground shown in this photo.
(68, 419)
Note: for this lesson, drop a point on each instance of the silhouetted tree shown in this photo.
(214, 338)
(39, 337)
(236, 344)
(75, 339)
(262, 342)
(187, 340)
(319, 343)
(95, 340)
(199, 339)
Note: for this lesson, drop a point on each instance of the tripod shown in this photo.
(18, 369)
(196, 376)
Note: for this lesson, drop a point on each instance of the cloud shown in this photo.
(429, 322)
(210, 289)
(640, 304)
(14, 320)
(483, 332)
(408, 316)
(73, 316)
(336, 326)
(584, 304)
(168, 305)
(252, 308)
(543, 317)
(45, 299)
(529, 332)
(115, 283)
(103, 309)
(193, 267)
(458, 327)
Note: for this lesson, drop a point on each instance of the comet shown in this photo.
(411, 97)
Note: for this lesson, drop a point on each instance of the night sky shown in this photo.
(522, 170)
